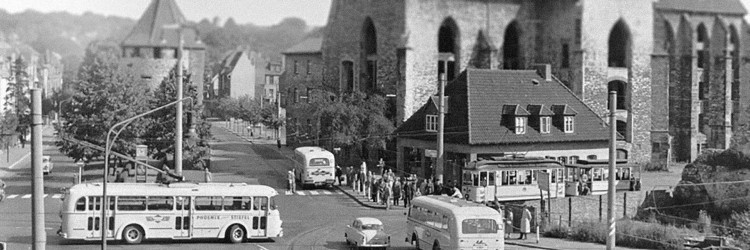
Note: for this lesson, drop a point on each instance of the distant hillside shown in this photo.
(68, 34)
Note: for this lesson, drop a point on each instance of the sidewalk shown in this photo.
(16, 155)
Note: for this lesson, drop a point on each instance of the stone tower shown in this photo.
(150, 51)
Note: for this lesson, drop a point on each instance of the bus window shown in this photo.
(467, 179)
(160, 203)
(605, 174)
(131, 203)
(483, 178)
(504, 178)
(319, 162)
(626, 173)
(237, 203)
(560, 176)
(208, 203)
(521, 177)
(95, 203)
(81, 204)
(597, 174)
(183, 203)
(574, 159)
(491, 178)
(528, 177)
(478, 226)
(475, 177)
(260, 203)
(445, 222)
(533, 175)
(512, 177)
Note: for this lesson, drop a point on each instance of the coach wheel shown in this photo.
(236, 234)
(415, 240)
(436, 246)
(132, 234)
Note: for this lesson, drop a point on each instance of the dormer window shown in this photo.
(569, 124)
(520, 125)
(431, 123)
(544, 124)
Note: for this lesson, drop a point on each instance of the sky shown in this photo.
(259, 12)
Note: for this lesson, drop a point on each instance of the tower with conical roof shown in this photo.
(150, 51)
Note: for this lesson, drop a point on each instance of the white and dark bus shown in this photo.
(314, 166)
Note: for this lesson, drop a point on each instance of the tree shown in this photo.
(161, 124)
(357, 120)
(103, 96)
(18, 102)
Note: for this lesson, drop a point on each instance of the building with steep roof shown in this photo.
(676, 64)
(502, 112)
(149, 52)
(242, 73)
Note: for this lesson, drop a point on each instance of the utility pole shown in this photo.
(37, 203)
(178, 122)
(612, 162)
(441, 131)
(278, 116)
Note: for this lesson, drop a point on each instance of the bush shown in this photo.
(656, 167)
(557, 231)
(630, 233)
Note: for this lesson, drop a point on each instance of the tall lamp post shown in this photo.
(178, 117)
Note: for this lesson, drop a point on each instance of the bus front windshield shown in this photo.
(319, 162)
(479, 226)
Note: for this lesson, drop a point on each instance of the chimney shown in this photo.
(544, 70)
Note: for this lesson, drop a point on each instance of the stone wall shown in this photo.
(587, 208)
(298, 113)
(598, 19)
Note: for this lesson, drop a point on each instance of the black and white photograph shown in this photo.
(374, 124)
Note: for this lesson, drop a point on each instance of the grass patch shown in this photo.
(630, 233)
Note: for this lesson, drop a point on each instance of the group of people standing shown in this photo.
(389, 189)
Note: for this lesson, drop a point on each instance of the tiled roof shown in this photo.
(707, 6)
(308, 46)
(478, 102)
(150, 31)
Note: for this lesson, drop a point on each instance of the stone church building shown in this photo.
(678, 65)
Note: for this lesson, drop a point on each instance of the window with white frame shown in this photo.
(520, 125)
(569, 122)
(544, 123)
(431, 123)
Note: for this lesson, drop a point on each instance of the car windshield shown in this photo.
(478, 226)
(372, 227)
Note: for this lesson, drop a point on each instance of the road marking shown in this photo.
(26, 196)
(300, 193)
(313, 192)
(326, 193)
(57, 196)
(12, 196)
(45, 195)
(339, 192)
(261, 247)
(20, 160)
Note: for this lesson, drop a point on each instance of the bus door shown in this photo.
(93, 220)
(260, 217)
(183, 217)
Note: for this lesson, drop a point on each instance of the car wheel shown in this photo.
(436, 246)
(236, 234)
(132, 234)
(347, 240)
(415, 241)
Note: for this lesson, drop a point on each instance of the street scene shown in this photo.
(393, 124)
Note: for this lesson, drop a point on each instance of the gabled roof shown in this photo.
(705, 6)
(308, 46)
(478, 102)
(230, 61)
(150, 31)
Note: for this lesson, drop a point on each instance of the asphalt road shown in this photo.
(315, 220)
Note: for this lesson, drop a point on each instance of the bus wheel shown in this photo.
(236, 234)
(132, 234)
(436, 246)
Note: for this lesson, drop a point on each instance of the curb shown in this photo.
(528, 245)
(358, 200)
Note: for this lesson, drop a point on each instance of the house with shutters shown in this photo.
(502, 112)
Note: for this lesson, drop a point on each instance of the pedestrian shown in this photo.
(437, 187)
(207, 175)
(407, 192)
(417, 191)
(429, 187)
(387, 194)
(355, 182)
(368, 184)
(338, 175)
(456, 193)
(120, 177)
(362, 179)
(396, 192)
(525, 223)
(508, 222)
(349, 177)
(290, 179)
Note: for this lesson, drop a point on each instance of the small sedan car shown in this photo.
(367, 232)
(46, 164)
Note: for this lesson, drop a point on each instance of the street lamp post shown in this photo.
(107, 148)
